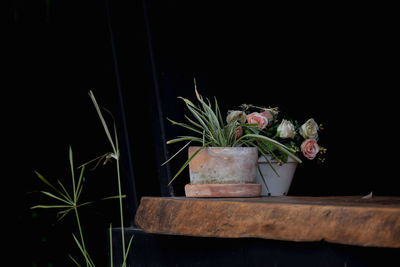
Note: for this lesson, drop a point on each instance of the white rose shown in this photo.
(309, 129)
(286, 129)
(236, 115)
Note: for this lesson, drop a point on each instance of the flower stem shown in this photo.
(120, 209)
(82, 239)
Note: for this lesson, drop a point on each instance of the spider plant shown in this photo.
(211, 130)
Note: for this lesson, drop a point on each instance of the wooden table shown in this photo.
(349, 220)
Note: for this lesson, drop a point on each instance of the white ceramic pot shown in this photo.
(277, 185)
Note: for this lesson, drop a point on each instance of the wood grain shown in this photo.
(223, 190)
(345, 220)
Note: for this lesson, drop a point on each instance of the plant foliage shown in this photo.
(211, 130)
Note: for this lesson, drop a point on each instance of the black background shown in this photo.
(329, 62)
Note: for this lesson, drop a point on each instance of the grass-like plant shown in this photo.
(70, 201)
(211, 130)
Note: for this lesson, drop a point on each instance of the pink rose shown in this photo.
(238, 132)
(310, 148)
(257, 118)
(267, 114)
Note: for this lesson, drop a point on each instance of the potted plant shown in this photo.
(224, 164)
(276, 176)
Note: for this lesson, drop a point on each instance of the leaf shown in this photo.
(262, 176)
(50, 206)
(44, 180)
(66, 196)
(99, 159)
(84, 204)
(184, 138)
(49, 184)
(185, 126)
(278, 145)
(63, 213)
(111, 246)
(56, 197)
(103, 122)
(200, 118)
(80, 183)
(217, 111)
(194, 123)
(83, 251)
(127, 251)
(269, 162)
(116, 141)
(179, 151)
(113, 197)
(69, 255)
(187, 163)
(71, 162)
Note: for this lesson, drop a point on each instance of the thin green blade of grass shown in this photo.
(83, 251)
(113, 197)
(92, 97)
(127, 252)
(63, 213)
(84, 204)
(50, 206)
(73, 260)
(56, 197)
(79, 191)
(66, 196)
(116, 139)
(71, 163)
(98, 159)
(44, 180)
(121, 213)
(111, 246)
(179, 151)
(80, 183)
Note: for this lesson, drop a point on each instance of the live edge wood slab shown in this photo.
(346, 220)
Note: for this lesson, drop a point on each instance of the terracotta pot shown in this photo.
(223, 165)
(219, 172)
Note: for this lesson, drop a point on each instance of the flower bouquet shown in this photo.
(276, 170)
(301, 138)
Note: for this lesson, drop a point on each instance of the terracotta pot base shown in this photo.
(223, 190)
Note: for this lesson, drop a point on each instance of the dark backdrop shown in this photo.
(328, 62)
